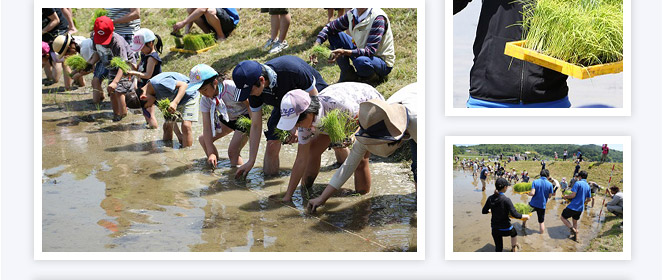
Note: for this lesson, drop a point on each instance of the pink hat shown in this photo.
(45, 49)
(293, 104)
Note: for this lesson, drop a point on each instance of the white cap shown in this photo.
(293, 104)
(86, 49)
(141, 37)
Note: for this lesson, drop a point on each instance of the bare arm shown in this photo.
(132, 15)
(298, 168)
(207, 136)
(313, 204)
(66, 12)
(55, 20)
(254, 144)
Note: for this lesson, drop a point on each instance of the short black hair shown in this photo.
(313, 108)
(614, 189)
(583, 174)
(544, 173)
(210, 80)
(264, 75)
(501, 183)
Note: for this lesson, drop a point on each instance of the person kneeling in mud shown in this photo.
(500, 206)
(183, 95)
(220, 113)
(383, 128)
(305, 112)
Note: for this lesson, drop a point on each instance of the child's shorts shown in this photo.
(568, 213)
(189, 110)
(275, 11)
(100, 71)
(126, 85)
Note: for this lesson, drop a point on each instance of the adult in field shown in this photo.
(368, 44)
(501, 208)
(266, 84)
(220, 21)
(616, 205)
(604, 152)
(580, 195)
(483, 176)
(383, 128)
(542, 190)
(499, 81)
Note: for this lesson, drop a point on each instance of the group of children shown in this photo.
(298, 93)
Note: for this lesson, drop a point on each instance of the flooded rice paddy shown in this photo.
(118, 187)
(472, 232)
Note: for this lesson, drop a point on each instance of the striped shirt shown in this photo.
(341, 24)
(128, 28)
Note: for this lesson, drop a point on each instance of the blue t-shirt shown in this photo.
(232, 12)
(484, 171)
(291, 73)
(165, 86)
(542, 189)
(582, 190)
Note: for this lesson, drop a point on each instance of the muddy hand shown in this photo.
(172, 108)
(242, 171)
(212, 160)
(313, 205)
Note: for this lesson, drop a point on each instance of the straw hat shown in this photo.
(381, 126)
(60, 44)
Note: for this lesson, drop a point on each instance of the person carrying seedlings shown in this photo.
(67, 45)
(220, 113)
(182, 92)
(383, 127)
(53, 24)
(579, 156)
(267, 84)
(542, 190)
(616, 205)
(500, 206)
(307, 113)
(369, 44)
(220, 21)
(498, 82)
(149, 45)
(110, 45)
(483, 176)
(580, 195)
(594, 188)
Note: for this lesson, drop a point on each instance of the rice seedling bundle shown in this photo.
(581, 32)
(567, 192)
(339, 125)
(208, 39)
(321, 52)
(163, 105)
(282, 135)
(523, 208)
(117, 62)
(97, 13)
(522, 187)
(244, 124)
(76, 62)
(193, 42)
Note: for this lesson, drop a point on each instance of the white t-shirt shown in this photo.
(342, 96)
(227, 92)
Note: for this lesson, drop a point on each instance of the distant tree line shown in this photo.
(589, 152)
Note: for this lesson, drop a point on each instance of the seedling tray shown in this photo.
(515, 49)
(174, 49)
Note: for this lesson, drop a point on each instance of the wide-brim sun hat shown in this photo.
(61, 44)
(381, 122)
(141, 37)
(198, 75)
(293, 104)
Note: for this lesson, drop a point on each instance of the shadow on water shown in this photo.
(151, 147)
(119, 127)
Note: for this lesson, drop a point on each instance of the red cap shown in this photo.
(103, 30)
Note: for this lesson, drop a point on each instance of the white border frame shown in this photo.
(421, 156)
(449, 254)
(449, 110)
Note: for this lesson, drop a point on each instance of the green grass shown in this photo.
(523, 208)
(582, 32)
(96, 13)
(610, 237)
(76, 62)
(339, 125)
(522, 187)
(117, 62)
(253, 30)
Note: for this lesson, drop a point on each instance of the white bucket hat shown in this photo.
(141, 37)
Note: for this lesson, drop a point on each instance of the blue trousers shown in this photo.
(365, 66)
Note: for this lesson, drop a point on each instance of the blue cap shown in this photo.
(198, 75)
(245, 75)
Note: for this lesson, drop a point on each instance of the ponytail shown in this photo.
(158, 45)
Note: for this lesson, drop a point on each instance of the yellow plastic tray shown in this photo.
(174, 49)
(516, 49)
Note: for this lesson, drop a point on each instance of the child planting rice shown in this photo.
(500, 206)
(542, 190)
(76, 62)
(149, 45)
(221, 115)
(70, 47)
(305, 112)
(581, 32)
(182, 94)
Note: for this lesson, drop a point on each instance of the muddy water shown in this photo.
(117, 187)
(471, 229)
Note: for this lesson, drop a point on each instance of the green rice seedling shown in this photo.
(522, 187)
(523, 208)
(321, 52)
(97, 13)
(581, 32)
(163, 105)
(76, 62)
(193, 42)
(244, 124)
(567, 192)
(339, 125)
(208, 39)
(117, 62)
(282, 135)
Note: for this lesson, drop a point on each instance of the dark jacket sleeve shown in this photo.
(512, 210)
(459, 5)
(486, 207)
